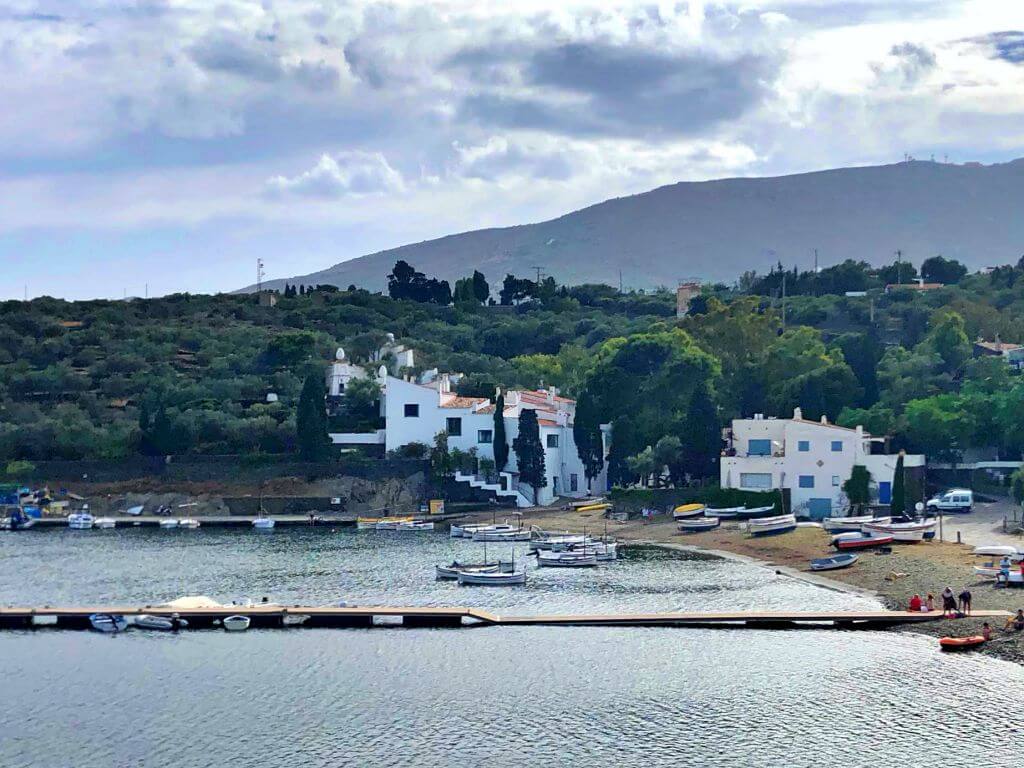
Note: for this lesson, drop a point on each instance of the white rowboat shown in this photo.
(772, 526)
(236, 623)
(492, 579)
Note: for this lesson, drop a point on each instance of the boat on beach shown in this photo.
(961, 643)
(998, 550)
(856, 540)
(833, 563)
(902, 533)
(685, 511)
(772, 526)
(845, 524)
(699, 524)
(723, 513)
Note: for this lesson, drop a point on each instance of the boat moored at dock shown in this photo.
(108, 623)
(81, 520)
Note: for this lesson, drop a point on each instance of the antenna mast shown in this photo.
(259, 275)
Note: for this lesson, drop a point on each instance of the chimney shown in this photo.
(797, 413)
(824, 419)
(445, 384)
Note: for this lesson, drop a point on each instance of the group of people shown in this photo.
(953, 606)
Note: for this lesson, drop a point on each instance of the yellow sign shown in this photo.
(437, 506)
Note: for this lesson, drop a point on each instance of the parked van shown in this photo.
(958, 500)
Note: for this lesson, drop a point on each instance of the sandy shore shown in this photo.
(894, 578)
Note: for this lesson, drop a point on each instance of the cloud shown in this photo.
(906, 65)
(1007, 45)
(235, 54)
(340, 175)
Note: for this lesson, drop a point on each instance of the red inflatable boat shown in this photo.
(960, 643)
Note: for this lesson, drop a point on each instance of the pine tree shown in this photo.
(499, 437)
(898, 505)
(311, 421)
(529, 452)
(703, 443)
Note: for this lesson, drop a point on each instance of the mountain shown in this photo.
(715, 230)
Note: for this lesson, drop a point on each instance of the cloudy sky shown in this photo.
(172, 142)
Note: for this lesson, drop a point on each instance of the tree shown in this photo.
(941, 270)
(499, 437)
(857, 487)
(481, 290)
(703, 438)
(311, 421)
(898, 504)
(404, 282)
(645, 465)
(1017, 485)
(948, 339)
(530, 452)
(441, 464)
(586, 432)
(668, 452)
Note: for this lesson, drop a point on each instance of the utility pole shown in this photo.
(783, 302)
(539, 273)
(147, 290)
(620, 281)
(259, 276)
(899, 267)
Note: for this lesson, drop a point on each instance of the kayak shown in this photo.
(960, 643)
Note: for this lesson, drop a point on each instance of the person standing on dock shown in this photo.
(965, 602)
(948, 602)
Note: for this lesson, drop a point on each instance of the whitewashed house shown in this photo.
(811, 458)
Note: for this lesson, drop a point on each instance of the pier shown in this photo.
(273, 616)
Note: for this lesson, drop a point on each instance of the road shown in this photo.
(984, 525)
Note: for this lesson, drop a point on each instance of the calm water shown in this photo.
(498, 696)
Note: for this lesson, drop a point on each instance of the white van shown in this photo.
(954, 501)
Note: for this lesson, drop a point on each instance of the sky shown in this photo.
(156, 146)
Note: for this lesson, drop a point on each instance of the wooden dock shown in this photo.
(271, 616)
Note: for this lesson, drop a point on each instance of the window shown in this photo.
(454, 426)
(806, 481)
(759, 448)
(755, 479)
(803, 446)
(552, 441)
(412, 410)
(574, 483)
(484, 436)
(835, 481)
(837, 446)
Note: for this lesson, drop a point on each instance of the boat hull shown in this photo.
(696, 526)
(565, 560)
(469, 578)
(833, 563)
(772, 526)
(236, 623)
(861, 542)
(845, 524)
(108, 623)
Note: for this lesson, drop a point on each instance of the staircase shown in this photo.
(503, 490)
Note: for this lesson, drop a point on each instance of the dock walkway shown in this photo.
(269, 616)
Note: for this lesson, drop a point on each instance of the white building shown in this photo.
(811, 458)
(392, 357)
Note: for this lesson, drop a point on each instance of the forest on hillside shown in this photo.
(191, 374)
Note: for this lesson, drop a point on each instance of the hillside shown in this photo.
(716, 230)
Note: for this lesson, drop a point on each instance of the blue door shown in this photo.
(884, 493)
(818, 509)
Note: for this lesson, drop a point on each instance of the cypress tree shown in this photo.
(703, 443)
(529, 452)
(311, 421)
(500, 439)
(898, 505)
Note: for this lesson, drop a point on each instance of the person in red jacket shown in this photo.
(915, 604)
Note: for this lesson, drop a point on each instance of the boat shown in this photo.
(567, 559)
(833, 563)
(987, 571)
(236, 623)
(961, 643)
(416, 525)
(723, 513)
(160, 623)
(996, 550)
(752, 512)
(550, 541)
(600, 507)
(698, 524)
(604, 551)
(467, 531)
(902, 533)
(849, 523)
(134, 511)
(188, 522)
(370, 523)
(105, 523)
(169, 523)
(16, 520)
(492, 578)
(684, 511)
(451, 572)
(294, 619)
(854, 540)
(82, 520)
(772, 526)
(109, 623)
(514, 535)
(263, 523)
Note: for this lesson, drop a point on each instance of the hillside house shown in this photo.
(1013, 354)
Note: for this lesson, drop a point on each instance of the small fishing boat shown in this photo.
(467, 531)
(854, 540)
(451, 572)
(723, 513)
(160, 623)
(417, 525)
(134, 511)
(902, 533)
(753, 512)
(698, 524)
(236, 623)
(552, 541)
(961, 643)
(684, 511)
(492, 578)
(996, 550)
(370, 523)
(833, 563)
(600, 507)
(513, 535)
(567, 559)
(604, 551)
(772, 526)
(987, 571)
(109, 623)
(105, 522)
(188, 522)
(841, 524)
(263, 523)
(81, 521)
(169, 523)
(15, 519)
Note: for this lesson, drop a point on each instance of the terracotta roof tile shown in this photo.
(463, 402)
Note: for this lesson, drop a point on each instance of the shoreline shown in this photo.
(891, 579)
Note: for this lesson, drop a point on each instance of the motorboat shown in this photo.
(772, 526)
(698, 524)
(902, 533)
(236, 623)
(855, 540)
(833, 563)
(723, 513)
(451, 572)
(417, 525)
(513, 535)
(108, 623)
(169, 523)
(263, 523)
(843, 524)
(492, 578)
(160, 623)
(467, 531)
(569, 559)
(81, 520)
(16, 519)
(188, 522)
(684, 511)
